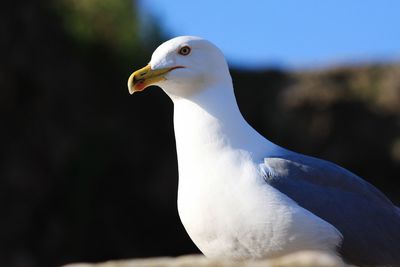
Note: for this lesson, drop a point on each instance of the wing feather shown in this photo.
(368, 220)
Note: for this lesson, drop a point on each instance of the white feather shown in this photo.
(223, 201)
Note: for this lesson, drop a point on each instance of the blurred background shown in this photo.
(89, 173)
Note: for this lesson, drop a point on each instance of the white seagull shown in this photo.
(241, 196)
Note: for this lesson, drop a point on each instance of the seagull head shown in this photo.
(182, 66)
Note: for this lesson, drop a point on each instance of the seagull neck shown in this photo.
(212, 120)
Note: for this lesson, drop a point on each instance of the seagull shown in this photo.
(240, 196)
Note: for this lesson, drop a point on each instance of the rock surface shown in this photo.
(298, 259)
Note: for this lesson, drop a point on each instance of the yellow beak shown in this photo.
(143, 78)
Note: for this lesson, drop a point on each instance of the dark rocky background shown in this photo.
(88, 173)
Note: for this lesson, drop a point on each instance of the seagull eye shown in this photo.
(184, 51)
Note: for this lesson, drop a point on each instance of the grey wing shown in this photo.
(368, 221)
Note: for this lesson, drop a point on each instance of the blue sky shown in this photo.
(286, 33)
